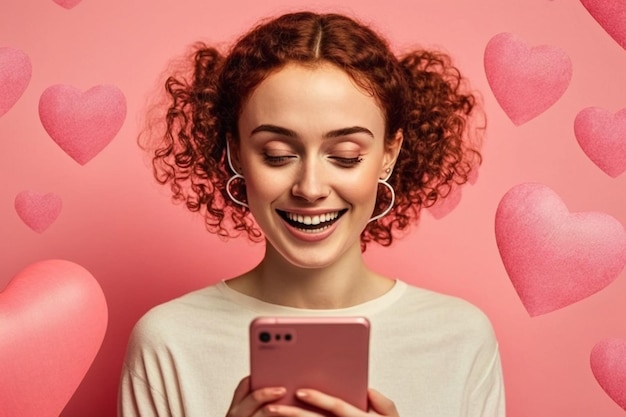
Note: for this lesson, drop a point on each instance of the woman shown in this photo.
(311, 125)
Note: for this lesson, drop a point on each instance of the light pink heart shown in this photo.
(82, 124)
(444, 206)
(15, 73)
(611, 15)
(38, 211)
(553, 257)
(53, 316)
(602, 136)
(608, 363)
(67, 4)
(525, 80)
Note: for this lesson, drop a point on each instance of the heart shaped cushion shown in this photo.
(553, 257)
(67, 4)
(602, 136)
(82, 124)
(611, 15)
(525, 80)
(38, 211)
(608, 363)
(15, 73)
(53, 316)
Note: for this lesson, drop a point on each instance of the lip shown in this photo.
(310, 232)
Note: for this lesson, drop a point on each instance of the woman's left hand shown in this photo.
(378, 403)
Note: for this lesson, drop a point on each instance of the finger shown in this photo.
(287, 411)
(255, 400)
(243, 389)
(381, 404)
(327, 402)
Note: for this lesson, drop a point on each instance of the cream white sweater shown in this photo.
(432, 354)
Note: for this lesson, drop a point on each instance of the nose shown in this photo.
(311, 183)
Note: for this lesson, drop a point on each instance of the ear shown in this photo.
(232, 154)
(392, 149)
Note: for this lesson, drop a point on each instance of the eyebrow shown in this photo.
(328, 135)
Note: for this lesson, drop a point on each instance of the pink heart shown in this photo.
(608, 363)
(444, 206)
(53, 316)
(68, 4)
(611, 15)
(525, 81)
(15, 72)
(38, 211)
(553, 257)
(82, 124)
(602, 136)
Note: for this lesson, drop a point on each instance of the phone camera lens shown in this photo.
(265, 337)
(288, 337)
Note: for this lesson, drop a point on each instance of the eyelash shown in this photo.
(275, 160)
(279, 160)
(349, 162)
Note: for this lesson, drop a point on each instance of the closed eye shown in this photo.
(347, 162)
(277, 160)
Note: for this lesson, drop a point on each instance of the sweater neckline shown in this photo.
(367, 308)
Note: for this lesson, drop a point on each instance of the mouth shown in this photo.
(311, 224)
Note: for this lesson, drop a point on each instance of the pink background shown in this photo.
(119, 224)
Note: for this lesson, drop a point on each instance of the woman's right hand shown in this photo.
(247, 403)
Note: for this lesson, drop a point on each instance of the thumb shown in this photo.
(242, 390)
(381, 404)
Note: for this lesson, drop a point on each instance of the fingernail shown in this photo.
(278, 391)
(302, 394)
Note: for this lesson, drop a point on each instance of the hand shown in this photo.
(379, 406)
(247, 403)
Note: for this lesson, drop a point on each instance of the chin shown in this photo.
(318, 255)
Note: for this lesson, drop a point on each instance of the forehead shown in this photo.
(322, 94)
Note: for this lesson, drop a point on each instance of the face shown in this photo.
(311, 150)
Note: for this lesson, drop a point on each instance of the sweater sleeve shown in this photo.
(149, 384)
(137, 399)
(484, 388)
(487, 398)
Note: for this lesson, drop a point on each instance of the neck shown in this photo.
(345, 283)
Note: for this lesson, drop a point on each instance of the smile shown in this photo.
(316, 222)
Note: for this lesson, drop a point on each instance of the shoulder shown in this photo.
(178, 318)
(443, 316)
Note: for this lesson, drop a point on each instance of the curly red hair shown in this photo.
(421, 93)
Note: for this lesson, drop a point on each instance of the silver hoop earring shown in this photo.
(234, 177)
(393, 196)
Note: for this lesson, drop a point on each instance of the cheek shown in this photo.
(360, 188)
(264, 185)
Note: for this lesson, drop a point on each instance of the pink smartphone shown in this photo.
(330, 354)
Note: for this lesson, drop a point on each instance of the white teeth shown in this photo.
(321, 229)
(313, 220)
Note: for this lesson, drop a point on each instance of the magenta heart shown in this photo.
(602, 136)
(82, 124)
(608, 363)
(553, 257)
(526, 81)
(611, 15)
(67, 4)
(38, 211)
(53, 316)
(15, 72)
